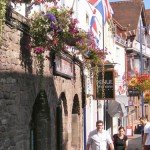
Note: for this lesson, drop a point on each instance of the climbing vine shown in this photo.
(3, 4)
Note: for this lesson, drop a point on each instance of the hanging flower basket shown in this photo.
(71, 41)
(56, 29)
(133, 82)
(21, 1)
(140, 82)
(146, 95)
(35, 1)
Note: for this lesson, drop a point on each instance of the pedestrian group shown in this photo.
(100, 139)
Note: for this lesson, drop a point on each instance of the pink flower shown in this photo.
(39, 50)
(39, 1)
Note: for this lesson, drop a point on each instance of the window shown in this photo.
(87, 18)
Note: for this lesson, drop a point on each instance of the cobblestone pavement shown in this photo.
(135, 142)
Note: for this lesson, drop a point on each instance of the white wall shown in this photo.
(115, 125)
(19, 7)
(120, 85)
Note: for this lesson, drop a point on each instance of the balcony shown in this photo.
(120, 40)
(135, 47)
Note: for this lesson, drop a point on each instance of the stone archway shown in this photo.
(40, 123)
(75, 123)
(61, 122)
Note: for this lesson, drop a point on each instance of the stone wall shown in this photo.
(19, 86)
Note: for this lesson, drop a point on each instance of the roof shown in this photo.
(120, 30)
(147, 11)
(127, 13)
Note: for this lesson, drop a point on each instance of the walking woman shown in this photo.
(120, 140)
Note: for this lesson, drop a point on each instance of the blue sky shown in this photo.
(147, 3)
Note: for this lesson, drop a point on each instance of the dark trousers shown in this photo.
(146, 147)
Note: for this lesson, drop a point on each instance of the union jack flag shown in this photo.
(103, 6)
(93, 23)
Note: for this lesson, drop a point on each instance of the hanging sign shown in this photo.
(109, 88)
(63, 66)
(133, 92)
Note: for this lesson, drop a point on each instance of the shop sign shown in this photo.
(88, 86)
(63, 66)
(133, 92)
(109, 88)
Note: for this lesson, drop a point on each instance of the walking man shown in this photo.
(146, 136)
(99, 138)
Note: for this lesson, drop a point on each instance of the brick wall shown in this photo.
(19, 86)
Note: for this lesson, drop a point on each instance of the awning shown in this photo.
(118, 106)
(123, 99)
(114, 108)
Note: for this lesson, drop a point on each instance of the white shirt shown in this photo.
(99, 141)
(147, 130)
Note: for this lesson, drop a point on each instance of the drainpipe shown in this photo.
(84, 105)
(83, 99)
(84, 113)
(141, 65)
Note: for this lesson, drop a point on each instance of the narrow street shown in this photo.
(69, 68)
(135, 142)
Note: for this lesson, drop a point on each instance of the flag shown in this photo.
(93, 24)
(109, 11)
(96, 41)
(103, 6)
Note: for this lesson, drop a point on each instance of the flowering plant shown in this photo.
(90, 50)
(133, 82)
(146, 95)
(52, 30)
(3, 4)
(140, 82)
(55, 28)
(21, 1)
(34, 1)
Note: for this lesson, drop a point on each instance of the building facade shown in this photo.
(52, 118)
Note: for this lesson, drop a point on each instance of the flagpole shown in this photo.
(103, 6)
(103, 75)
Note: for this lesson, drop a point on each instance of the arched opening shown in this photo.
(40, 123)
(31, 135)
(75, 123)
(61, 122)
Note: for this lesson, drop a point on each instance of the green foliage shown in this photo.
(3, 4)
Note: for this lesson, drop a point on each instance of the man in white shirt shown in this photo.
(146, 137)
(99, 138)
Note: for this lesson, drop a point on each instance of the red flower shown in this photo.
(39, 1)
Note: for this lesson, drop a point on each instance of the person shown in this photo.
(142, 132)
(120, 140)
(146, 136)
(99, 138)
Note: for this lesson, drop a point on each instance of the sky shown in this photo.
(147, 3)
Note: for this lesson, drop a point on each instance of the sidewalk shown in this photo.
(135, 142)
